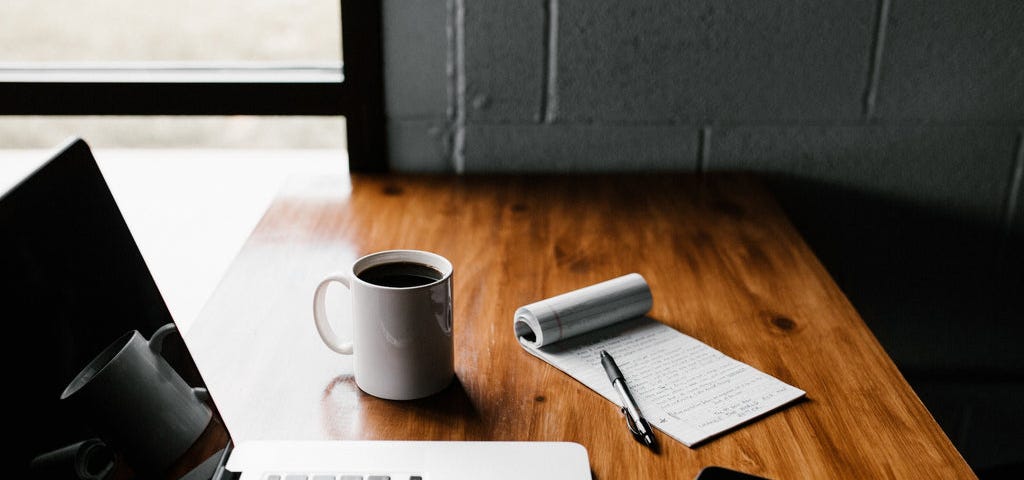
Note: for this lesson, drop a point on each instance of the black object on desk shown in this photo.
(722, 473)
(73, 280)
(638, 426)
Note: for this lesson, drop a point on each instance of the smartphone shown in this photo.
(722, 473)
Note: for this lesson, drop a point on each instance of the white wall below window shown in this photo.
(190, 211)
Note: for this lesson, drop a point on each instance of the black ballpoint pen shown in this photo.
(638, 426)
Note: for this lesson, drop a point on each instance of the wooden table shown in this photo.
(724, 265)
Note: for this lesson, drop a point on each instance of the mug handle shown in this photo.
(323, 327)
(156, 345)
(202, 394)
(156, 342)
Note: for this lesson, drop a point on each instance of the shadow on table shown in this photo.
(944, 295)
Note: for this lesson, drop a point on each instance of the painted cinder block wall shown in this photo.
(891, 130)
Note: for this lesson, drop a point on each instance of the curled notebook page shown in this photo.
(581, 311)
(686, 389)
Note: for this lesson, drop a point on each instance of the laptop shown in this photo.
(72, 280)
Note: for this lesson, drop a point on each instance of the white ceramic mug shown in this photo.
(401, 334)
(138, 403)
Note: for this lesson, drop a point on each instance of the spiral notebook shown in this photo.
(686, 389)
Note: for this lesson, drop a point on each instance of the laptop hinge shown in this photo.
(222, 472)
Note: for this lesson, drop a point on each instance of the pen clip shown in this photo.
(630, 423)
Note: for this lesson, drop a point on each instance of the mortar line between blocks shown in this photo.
(1014, 193)
(549, 92)
(459, 40)
(703, 149)
(875, 66)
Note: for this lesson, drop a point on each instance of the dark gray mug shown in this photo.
(138, 403)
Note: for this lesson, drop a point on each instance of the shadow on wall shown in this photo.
(945, 297)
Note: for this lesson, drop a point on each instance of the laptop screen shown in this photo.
(72, 281)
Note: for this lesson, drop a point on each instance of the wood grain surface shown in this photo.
(724, 265)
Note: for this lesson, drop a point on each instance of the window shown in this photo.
(147, 68)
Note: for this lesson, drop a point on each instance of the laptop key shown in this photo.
(296, 477)
(324, 477)
(351, 477)
(378, 477)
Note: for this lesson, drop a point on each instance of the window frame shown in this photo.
(226, 89)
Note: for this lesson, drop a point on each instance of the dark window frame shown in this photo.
(229, 89)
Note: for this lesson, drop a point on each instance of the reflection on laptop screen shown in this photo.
(72, 283)
(106, 389)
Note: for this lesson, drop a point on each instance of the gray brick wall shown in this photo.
(504, 61)
(711, 61)
(953, 61)
(960, 170)
(891, 130)
(568, 148)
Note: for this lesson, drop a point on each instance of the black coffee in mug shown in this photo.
(400, 275)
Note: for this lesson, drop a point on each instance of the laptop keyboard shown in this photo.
(338, 476)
